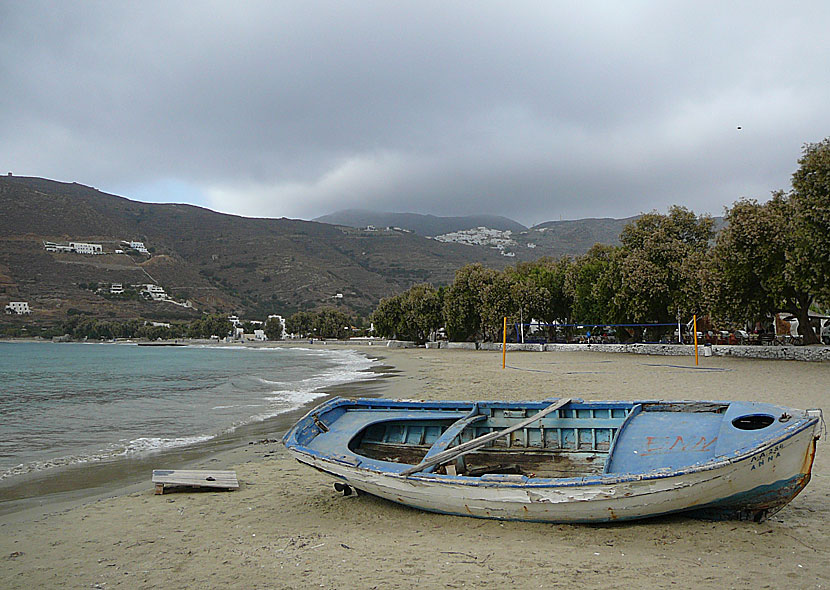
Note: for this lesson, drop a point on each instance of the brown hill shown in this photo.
(220, 262)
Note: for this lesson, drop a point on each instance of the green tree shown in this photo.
(660, 266)
(273, 329)
(152, 332)
(422, 312)
(539, 290)
(300, 323)
(809, 264)
(589, 282)
(462, 302)
(330, 322)
(210, 325)
(756, 267)
(496, 303)
(387, 318)
(412, 315)
(775, 256)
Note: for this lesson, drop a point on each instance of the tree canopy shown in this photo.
(661, 261)
(775, 257)
(273, 329)
(413, 315)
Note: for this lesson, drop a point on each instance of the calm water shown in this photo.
(65, 404)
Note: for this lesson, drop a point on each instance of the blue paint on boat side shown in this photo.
(635, 411)
(762, 498)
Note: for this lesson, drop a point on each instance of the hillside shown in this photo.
(552, 238)
(253, 267)
(219, 262)
(425, 225)
(574, 237)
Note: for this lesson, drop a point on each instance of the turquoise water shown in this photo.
(66, 404)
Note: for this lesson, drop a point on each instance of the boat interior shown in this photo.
(549, 439)
(570, 442)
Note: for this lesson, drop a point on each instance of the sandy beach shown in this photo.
(286, 527)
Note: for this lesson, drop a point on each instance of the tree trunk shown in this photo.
(805, 329)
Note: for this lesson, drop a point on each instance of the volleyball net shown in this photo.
(539, 332)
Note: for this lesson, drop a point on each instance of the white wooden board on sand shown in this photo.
(194, 478)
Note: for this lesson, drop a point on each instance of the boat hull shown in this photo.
(748, 486)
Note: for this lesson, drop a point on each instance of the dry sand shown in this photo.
(287, 527)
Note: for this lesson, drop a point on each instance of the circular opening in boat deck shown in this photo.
(753, 421)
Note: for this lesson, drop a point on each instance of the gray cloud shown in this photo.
(532, 110)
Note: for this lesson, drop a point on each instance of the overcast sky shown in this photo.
(533, 110)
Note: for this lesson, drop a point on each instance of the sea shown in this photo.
(71, 404)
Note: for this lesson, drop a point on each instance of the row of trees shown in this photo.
(328, 322)
(770, 257)
(325, 323)
(94, 329)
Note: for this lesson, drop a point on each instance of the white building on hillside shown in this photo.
(86, 248)
(156, 292)
(137, 246)
(18, 307)
(55, 247)
(116, 289)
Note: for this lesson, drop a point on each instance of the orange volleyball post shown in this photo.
(504, 344)
(694, 321)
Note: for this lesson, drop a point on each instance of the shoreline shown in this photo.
(42, 492)
(286, 527)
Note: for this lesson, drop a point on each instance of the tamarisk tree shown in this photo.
(775, 257)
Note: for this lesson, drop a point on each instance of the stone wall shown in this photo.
(795, 353)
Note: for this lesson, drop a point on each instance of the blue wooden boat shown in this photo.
(564, 460)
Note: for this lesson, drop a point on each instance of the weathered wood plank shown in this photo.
(194, 478)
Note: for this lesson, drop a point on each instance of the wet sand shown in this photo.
(287, 527)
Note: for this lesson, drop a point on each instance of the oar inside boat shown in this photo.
(468, 447)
